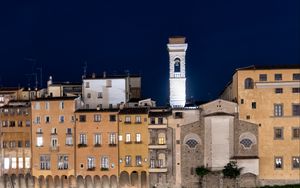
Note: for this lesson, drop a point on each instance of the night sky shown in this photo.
(131, 36)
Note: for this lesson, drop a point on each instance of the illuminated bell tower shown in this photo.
(177, 48)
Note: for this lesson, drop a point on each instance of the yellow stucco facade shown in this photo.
(271, 101)
(133, 140)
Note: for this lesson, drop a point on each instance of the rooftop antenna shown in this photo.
(84, 69)
(41, 75)
(33, 72)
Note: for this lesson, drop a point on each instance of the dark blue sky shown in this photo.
(116, 36)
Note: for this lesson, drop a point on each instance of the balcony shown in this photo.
(157, 169)
(157, 146)
(104, 169)
(82, 145)
(112, 145)
(54, 148)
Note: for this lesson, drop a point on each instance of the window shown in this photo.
(47, 105)
(138, 138)
(128, 160)
(27, 123)
(20, 124)
(110, 106)
(112, 138)
(45, 162)
(152, 120)
(138, 119)
(296, 90)
(37, 106)
(20, 163)
(27, 162)
(176, 65)
(97, 139)
(20, 143)
(82, 118)
(6, 163)
(54, 143)
(37, 120)
(112, 117)
(63, 162)
(296, 162)
(12, 123)
(99, 95)
(296, 109)
(97, 118)
(127, 119)
(91, 163)
(278, 163)
(61, 105)
(82, 139)
(87, 85)
(253, 105)
(13, 162)
(53, 131)
(262, 77)
(69, 131)
(278, 77)
(248, 83)
(278, 90)
(39, 140)
(246, 143)
(61, 119)
(296, 76)
(12, 144)
(47, 119)
(104, 163)
(160, 120)
(278, 133)
(161, 139)
(69, 140)
(27, 143)
(178, 115)
(295, 132)
(138, 160)
(127, 137)
(88, 95)
(278, 110)
(108, 83)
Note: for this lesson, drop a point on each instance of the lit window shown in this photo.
(6, 163)
(138, 137)
(39, 141)
(138, 160)
(278, 163)
(13, 162)
(63, 162)
(27, 162)
(97, 118)
(20, 162)
(161, 140)
(296, 162)
(278, 110)
(128, 160)
(127, 138)
(104, 162)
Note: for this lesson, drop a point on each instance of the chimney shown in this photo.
(104, 74)
(94, 75)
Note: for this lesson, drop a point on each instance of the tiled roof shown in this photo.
(55, 98)
(138, 110)
(160, 113)
(95, 110)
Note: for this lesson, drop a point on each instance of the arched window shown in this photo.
(191, 140)
(246, 143)
(177, 65)
(248, 83)
(247, 140)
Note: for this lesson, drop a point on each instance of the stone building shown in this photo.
(15, 130)
(53, 129)
(63, 89)
(270, 97)
(97, 143)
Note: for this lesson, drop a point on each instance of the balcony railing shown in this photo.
(82, 145)
(112, 145)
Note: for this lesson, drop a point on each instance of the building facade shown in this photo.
(53, 130)
(15, 138)
(97, 143)
(269, 96)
